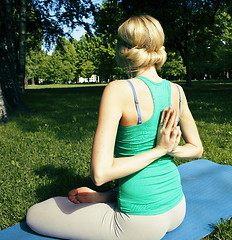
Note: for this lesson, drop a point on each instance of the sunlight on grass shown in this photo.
(46, 151)
(65, 85)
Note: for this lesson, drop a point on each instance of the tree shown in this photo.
(57, 16)
(2, 107)
(223, 44)
(59, 68)
(65, 58)
(174, 67)
(22, 44)
(87, 69)
(212, 58)
(53, 16)
(37, 65)
(183, 22)
(107, 19)
(195, 30)
(12, 42)
(100, 53)
(8, 59)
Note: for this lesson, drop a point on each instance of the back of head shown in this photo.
(140, 44)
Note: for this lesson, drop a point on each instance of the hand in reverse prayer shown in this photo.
(168, 135)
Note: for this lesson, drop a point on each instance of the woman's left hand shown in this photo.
(168, 136)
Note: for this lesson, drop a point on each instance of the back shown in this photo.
(158, 185)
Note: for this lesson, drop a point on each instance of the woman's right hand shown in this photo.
(168, 135)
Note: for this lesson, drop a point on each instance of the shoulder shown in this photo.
(116, 88)
(177, 89)
(117, 84)
(115, 93)
(176, 86)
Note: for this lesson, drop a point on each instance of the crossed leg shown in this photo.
(59, 217)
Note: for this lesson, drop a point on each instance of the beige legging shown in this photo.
(58, 217)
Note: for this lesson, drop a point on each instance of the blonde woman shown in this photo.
(138, 132)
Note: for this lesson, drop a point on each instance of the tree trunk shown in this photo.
(22, 45)
(3, 112)
(25, 81)
(186, 59)
(8, 58)
(102, 71)
(189, 73)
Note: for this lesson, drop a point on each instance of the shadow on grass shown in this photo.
(62, 180)
(69, 111)
(210, 105)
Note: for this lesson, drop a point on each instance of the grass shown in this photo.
(46, 151)
(49, 86)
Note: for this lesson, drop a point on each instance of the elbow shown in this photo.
(200, 152)
(97, 179)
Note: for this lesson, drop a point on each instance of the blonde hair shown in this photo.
(140, 44)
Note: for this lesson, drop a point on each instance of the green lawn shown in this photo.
(46, 151)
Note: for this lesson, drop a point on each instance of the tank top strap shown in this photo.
(136, 102)
(179, 101)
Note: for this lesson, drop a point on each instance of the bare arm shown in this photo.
(104, 167)
(193, 146)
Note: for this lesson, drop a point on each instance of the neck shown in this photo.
(150, 73)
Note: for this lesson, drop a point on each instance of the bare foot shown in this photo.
(87, 195)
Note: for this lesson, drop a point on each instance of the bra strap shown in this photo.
(136, 103)
(179, 101)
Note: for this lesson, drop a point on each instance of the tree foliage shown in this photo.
(209, 50)
(100, 52)
(198, 38)
(213, 54)
(174, 68)
(183, 21)
(72, 59)
(60, 67)
(50, 17)
(59, 17)
(36, 62)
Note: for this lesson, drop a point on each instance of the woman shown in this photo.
(136, 139)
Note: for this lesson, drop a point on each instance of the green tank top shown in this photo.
(156, 188)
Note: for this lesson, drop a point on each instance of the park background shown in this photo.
(49, 117)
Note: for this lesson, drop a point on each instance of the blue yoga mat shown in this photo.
(208, 191)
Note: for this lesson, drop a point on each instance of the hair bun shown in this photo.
(161, 57)
(140, 43)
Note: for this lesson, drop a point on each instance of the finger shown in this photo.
(178, 134)
(171, 121)
(168, 116)
(176, 119)
(173, 135)
(163, 116)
